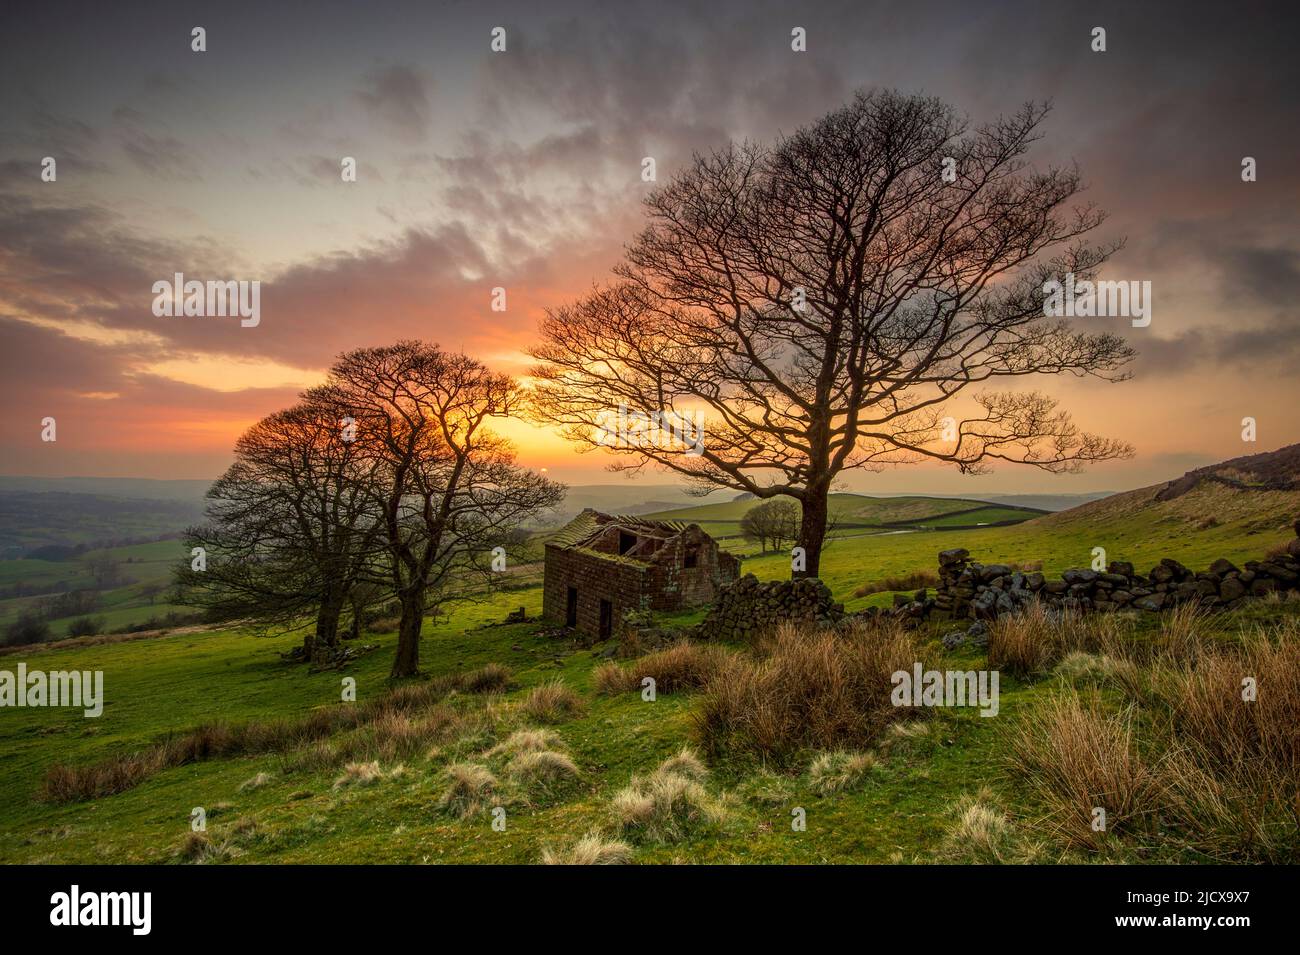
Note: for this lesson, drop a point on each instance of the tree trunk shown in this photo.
(326, 639)
(407, 662)
(812, 529)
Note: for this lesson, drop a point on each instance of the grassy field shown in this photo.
(274, 807)
(141, 568)
(854, 515)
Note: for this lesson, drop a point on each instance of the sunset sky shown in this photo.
(522, 170)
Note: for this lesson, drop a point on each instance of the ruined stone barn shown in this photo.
(599, 566)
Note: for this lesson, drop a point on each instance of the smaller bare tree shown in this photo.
(775, 521)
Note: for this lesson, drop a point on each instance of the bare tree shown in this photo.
(447, 488)
(821, 300)
(290, 527)
(775, 521)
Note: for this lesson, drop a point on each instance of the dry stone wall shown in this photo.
(747, 607)
(986, 591)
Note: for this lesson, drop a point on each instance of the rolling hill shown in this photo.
(854, 515)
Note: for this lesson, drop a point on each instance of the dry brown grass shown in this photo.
(490, 678)
(543, 772)
(469, 788)
(389, 731)
(806, 688)
(913, 581)
(552, 702)
(1076, 757)
(1220, 773)
(359, 774)
(840, 771)
(1031, 642)
(981, 833)
(527, 740)
(591, 849)
(666, 806)
(1232, 775)
(682, 666)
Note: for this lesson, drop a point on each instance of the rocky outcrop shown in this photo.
(747, 607)
(968, 588)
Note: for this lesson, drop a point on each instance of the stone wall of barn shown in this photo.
(621, 582)
(671, 585)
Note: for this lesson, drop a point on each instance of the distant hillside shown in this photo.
(145, 489)
(858, 514)
(1046, 502)
(1259, 493)
(42, 524)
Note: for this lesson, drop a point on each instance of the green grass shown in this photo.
(176, 682)
(853, 515)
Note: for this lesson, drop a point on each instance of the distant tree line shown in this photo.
(385, 485)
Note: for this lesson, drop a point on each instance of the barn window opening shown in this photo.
(626, 542)
(692, 558)
(571, 609)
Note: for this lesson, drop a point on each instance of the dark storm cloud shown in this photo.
(1264, 276)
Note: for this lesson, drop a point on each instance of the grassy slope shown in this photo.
(182, 680)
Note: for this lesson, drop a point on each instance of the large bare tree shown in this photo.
(291, 527)
(822, 301)
(447, 489)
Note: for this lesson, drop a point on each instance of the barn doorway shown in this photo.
(606, 619)
(571, 608)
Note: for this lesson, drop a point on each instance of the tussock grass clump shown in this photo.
(1076, 758)
(1080, 669)
(982, 834)
(257, 782)
(542, 772)
(665, 807)
(1030, 643)
(552, 702)
(196, 847)
(807, 689)
(359, 774)
(469, 787)
(1217, 771)
(527, 740)
(840, 771)
(912, 736)
(1233, 771)
(682, 666)
(685, 763)
(763, 787)
(490, 678)
(591, 849)
(913, 581)
(1182, 632)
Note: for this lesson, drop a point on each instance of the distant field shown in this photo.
(140, 567)
(855, 515)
